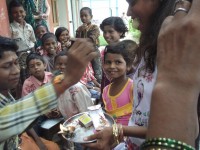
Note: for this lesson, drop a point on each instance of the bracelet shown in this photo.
(115, 133)
(165, 143)
(121, 133)
(58, 79)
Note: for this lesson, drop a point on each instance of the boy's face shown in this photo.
(9, 71)
(18, 14)
(50, 46)
(60, 63)
(36, 68)
(85, 16)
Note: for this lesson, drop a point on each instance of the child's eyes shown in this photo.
(6, 66)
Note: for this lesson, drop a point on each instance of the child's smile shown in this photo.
(114, 65)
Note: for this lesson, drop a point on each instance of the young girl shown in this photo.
(113, 29)
(50, 47)
(62, 35)
(117, 96)
(90, 31)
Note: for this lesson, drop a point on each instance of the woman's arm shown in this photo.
(106, 140)
(174, 100)
(136, 131)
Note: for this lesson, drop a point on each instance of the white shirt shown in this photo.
(25, 33)
(144, 83)
(74, 100)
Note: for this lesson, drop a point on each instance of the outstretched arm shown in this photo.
(16, 117)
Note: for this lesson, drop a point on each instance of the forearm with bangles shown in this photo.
(151, 143)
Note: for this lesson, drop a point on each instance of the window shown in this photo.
(54, 10)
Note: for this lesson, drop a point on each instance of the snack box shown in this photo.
(98, 118)
(85, 120)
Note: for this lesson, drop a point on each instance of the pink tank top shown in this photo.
(119, 106)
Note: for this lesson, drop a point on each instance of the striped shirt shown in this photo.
(16, 116)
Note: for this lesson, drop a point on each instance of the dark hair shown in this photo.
(47, 36)
(88, 9)
(13, 4)
(41, 25)
(59, 32)
(7, 44)
(148, 41)
(126, 48)
(62, 53)
(32, 56)
(117, 23)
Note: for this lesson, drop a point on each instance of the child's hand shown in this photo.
(66, 44)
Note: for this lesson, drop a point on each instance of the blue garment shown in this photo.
(94, 93)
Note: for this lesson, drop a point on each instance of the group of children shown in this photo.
(107, 77)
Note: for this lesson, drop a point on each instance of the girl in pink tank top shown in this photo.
(118, 96)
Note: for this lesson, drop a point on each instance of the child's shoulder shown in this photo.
(49, 74)
(94, 26)
(79, 28)
(130, 80)
(28, 26)
(29, 81)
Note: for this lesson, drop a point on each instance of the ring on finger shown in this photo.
(183, 4)
(180, 9)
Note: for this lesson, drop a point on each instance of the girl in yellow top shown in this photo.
(118, 96)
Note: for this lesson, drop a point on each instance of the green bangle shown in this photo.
(165, 143)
